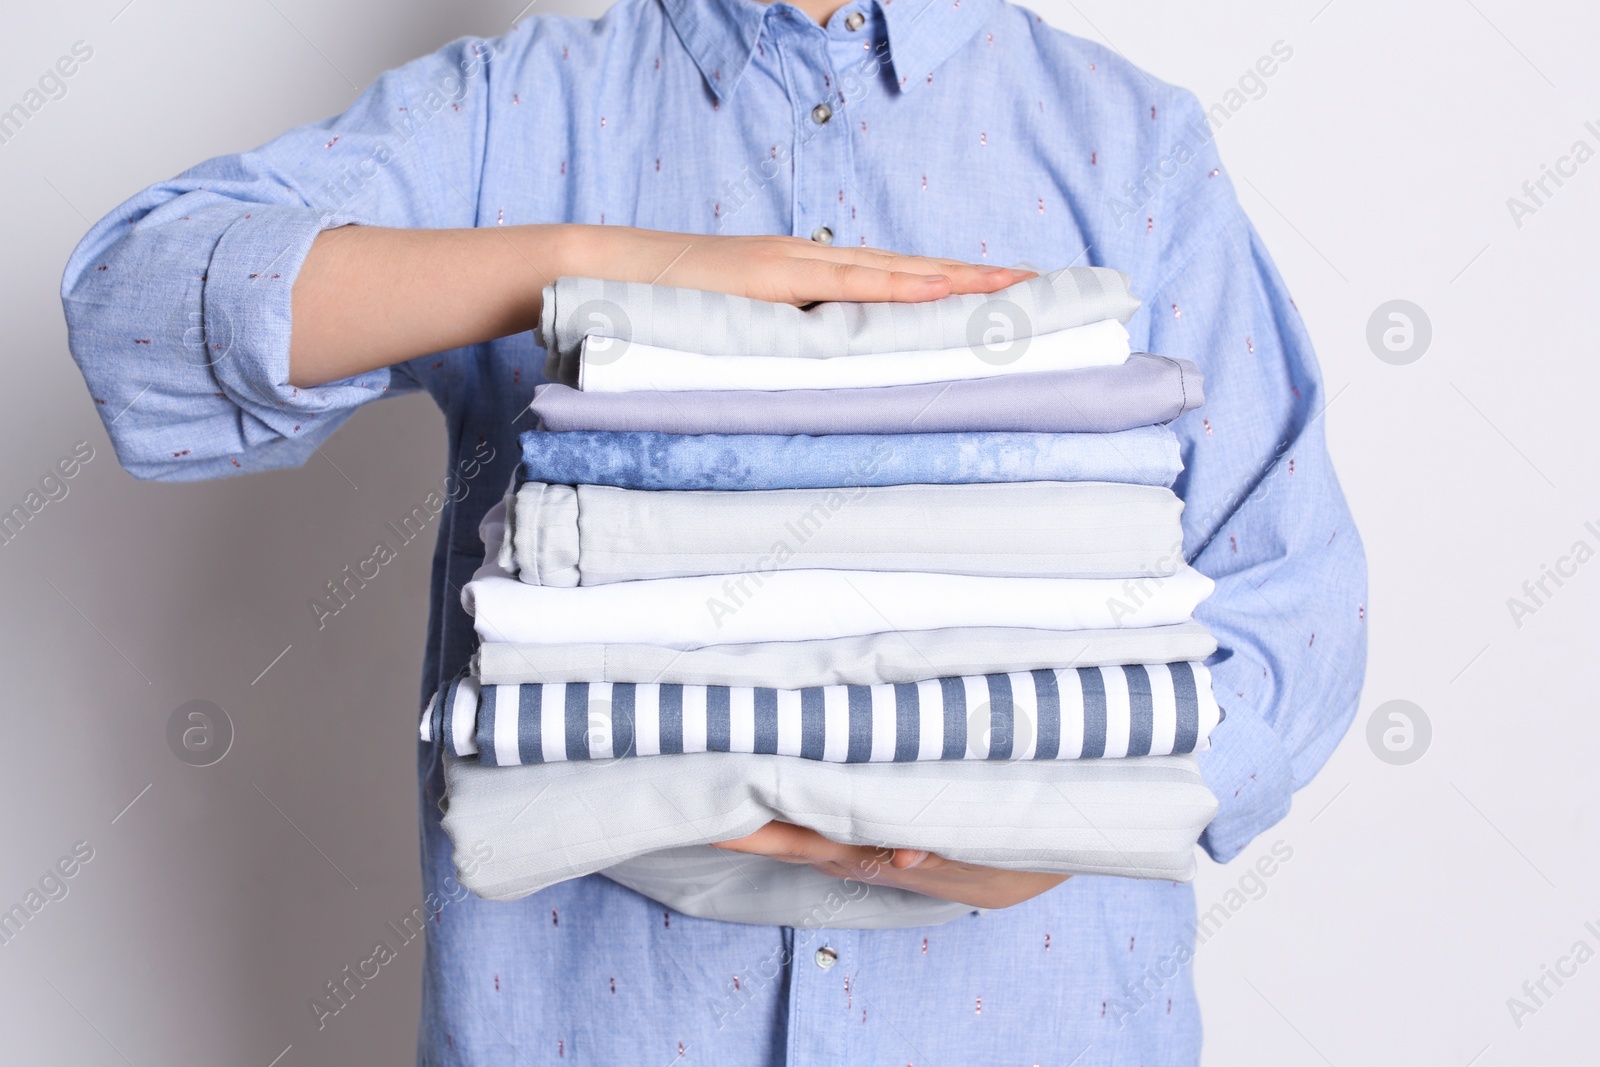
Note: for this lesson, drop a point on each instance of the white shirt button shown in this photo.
(826, 957)
(822, 235)
(855, 21)
(821, 114)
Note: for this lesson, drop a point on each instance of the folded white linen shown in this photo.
(614, 365)
(870, 659)
(685, 613)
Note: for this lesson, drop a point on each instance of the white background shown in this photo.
(1377, 164)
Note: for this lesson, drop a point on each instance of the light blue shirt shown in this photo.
(963, 128)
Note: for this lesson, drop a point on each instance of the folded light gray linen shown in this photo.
(717, 324)
(545, 823)
(1141, 392)
(563, 535)
(873, 659)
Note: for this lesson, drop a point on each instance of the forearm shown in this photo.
(181, 302)
(369, 297)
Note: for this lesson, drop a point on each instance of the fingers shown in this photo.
(790, 843)
(794, 270)
(912, 869)
(968, 278)
(963, 277)
(814, 279)
(797, 844)
(900, 868)
(978, 277)
(797, 271)
(955, 269)
(904, 859)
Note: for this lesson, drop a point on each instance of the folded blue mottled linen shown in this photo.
(1147, 455)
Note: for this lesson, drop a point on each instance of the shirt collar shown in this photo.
(925, 33)
(720, 35)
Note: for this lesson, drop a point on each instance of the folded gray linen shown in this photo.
(873, 659)
(563, 535)
(1141, 392)
(717, 324)
(540, 824)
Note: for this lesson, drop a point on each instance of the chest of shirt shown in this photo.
(980, 160)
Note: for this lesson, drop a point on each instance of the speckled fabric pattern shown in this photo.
(970, 130)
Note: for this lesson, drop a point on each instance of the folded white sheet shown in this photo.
(684, 613)
(612, 365)
(870, 659)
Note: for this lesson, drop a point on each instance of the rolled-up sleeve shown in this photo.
(178, 303)
(1264, 515)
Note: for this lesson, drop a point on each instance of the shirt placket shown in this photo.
(820, 998)
(822, 143)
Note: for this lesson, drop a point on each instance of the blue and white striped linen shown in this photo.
(1069, 713)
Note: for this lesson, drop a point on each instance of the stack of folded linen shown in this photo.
(872, 569)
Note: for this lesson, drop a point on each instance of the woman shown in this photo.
(404, 246)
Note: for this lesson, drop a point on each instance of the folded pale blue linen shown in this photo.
(646, 460)
(1144, 391)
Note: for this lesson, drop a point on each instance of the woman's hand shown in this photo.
(369, 297)
(920, 872)
(786, 270)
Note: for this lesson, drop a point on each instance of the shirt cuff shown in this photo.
(1248, 769)
(247, 310)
